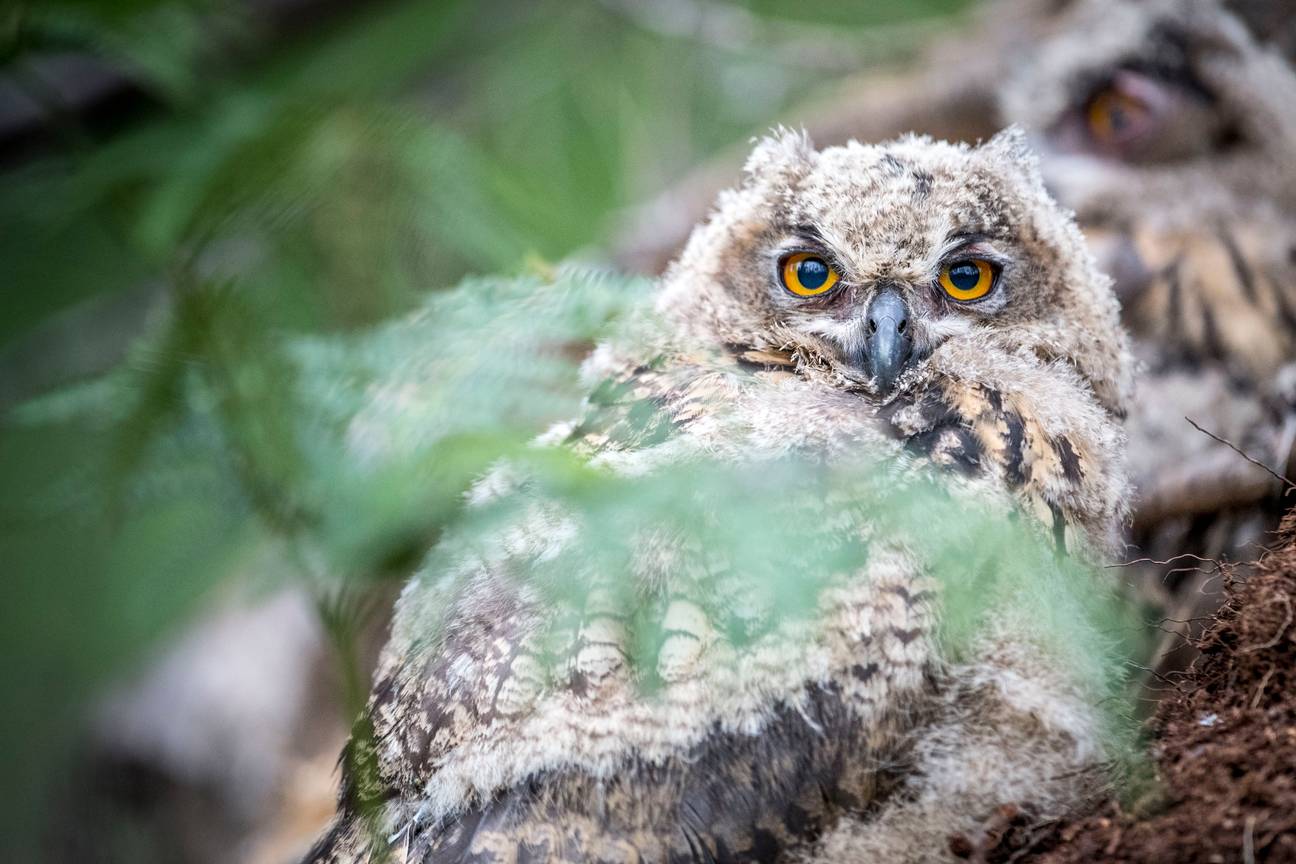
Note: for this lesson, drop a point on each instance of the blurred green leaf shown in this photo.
(285, 198)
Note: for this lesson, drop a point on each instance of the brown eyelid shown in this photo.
(965, 246)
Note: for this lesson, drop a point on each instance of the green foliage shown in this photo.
(159, 43)
(277, 201)
(83, 589)
(398, 149)
(128, 497)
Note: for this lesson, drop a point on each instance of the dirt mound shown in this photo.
(1225, 743)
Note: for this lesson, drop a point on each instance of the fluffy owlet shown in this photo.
(920, 304)
(1168, 126)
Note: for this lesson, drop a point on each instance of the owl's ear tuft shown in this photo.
(1010, 143)
(1010, 149)
(780, 156)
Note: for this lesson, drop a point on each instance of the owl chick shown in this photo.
(1167, 126)
(922, 303)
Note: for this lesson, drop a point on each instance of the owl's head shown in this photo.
(1168, 126)
(870, 261)
(1158, 83)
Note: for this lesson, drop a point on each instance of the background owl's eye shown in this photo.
(967, 280)
(807, 275)
(1144, 117)
(1115, 116)
(1138, 117)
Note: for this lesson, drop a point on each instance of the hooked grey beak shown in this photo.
(888, 345)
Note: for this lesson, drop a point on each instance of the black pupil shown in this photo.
(965, 276)
(813, 273)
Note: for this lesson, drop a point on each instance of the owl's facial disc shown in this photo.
(880, 325)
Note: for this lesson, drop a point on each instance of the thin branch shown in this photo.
(1134, 561)
(1280, 478)
(1216, 569)
(1155, 674)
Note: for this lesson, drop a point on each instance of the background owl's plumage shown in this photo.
(541, 699)
(1191, 205)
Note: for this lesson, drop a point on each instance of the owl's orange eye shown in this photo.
(967, 280)
(1114, 115)
(807, 275)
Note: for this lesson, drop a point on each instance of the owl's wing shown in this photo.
(525, 730)
(1063, 469)
(637, 405)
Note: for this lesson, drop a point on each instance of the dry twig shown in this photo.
(1280, 478)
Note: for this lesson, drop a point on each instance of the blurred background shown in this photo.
(188, 186)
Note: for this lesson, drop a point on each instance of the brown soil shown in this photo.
(1225, 746)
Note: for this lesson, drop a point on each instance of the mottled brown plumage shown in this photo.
(509, 724)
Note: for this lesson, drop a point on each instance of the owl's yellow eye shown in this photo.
(967, 280)
(807, 275)
(1114, 115)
